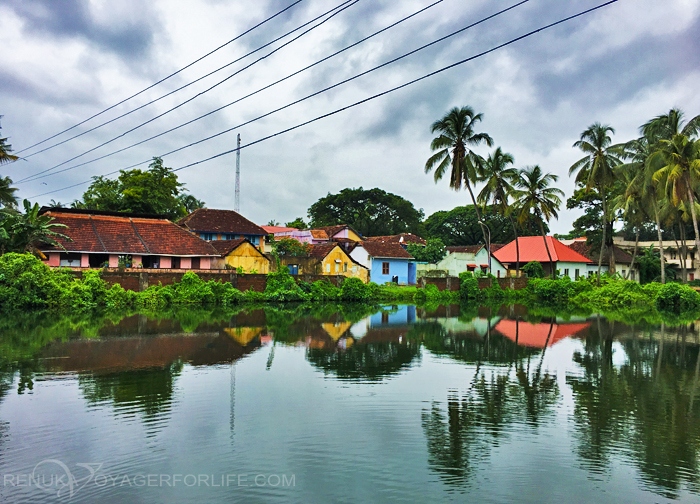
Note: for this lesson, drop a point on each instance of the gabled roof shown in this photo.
(621, 257)
(277, 229)
(209, 220)
(321, 250)
(225, 247)
(331, 231)
(532, 248)
(386, 250)
(319, 234)
(535, 335)
(398, 238)
(127, 235)
(464, 249)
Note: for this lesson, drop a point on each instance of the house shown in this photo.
(326, 259)
(340, 233)
(675, 253)
(387, 262)
(214, 225)
(622, 259)
(102, 238)
(402, 239)
(532, 248)
(466, 258)
(240, 253)
(313, 236)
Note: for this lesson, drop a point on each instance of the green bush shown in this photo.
(468, 286)
(353, 289)
(323, 290)
(533, 269)
(193, 290)
(677, 298)
(225, 294)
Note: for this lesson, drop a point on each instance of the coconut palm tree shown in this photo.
(666, 126)
(533, 195)
(5, 149)
(7, 193)
(28, 231)
(677, 167)
(596, 169)
(499, 178)
(456, 136)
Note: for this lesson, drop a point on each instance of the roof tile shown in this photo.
(209, 220)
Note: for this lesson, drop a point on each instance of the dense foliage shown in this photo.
(23, 232)
(433, 252)
(291, 247)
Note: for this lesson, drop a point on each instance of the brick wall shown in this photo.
(452, 283)
(138, 279)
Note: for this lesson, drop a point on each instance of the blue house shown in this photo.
(213, 225)
(387, 262)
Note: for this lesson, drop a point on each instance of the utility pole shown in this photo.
(237, 201)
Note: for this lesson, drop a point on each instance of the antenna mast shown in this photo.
(237, 201)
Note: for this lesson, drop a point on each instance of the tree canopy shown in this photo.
(154, 191)
(371, 212)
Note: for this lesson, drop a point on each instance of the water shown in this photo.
(348, 404)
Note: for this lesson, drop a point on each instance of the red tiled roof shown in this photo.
(225, 247)
(535, 335)
(277, 229)
(208, 220)
(126, 235)
(321, 250)
(465, 249)
(532, 248)
(399, 238)
(333, 230)
(319, 234)
(389, 250)
(621, 257)
(497, 246)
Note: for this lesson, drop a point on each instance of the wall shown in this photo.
(452, 283)
(329, 265)
(138, 279)
(307, 265)
(396, 268)
(249, 258)
(456, 263)
(572, 267)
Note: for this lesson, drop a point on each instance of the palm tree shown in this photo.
(5, 149)
(26, 232)
(535, 196)
(499, 179)
(596, 169)
(677, 162)
(666, 126)
(7, 193)
(456, 135)
(190, 203)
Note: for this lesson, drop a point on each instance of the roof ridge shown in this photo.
(139, 235)
(94, 228)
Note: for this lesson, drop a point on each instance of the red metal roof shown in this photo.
(535, 335)
(532, 248)
(126, 235)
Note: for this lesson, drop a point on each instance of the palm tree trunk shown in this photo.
(602, 243)
(517, 248)
(634, 254)
(681, 255)
(691, 197)
(544, 237)
(476, 209)
(661, 242)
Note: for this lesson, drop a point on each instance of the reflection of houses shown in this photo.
(538, 335)
(240, 253)
(387, 262)
(100, 238)
(214, 225)
(622, 260)
(466, 258)
(532, 248)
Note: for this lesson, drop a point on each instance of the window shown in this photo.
(576, 274)
(632, 276)
(208, 236)
(337, 267)
(499, 273)
(566, 271)
(345, 267)
(385, 268)
(328, 268)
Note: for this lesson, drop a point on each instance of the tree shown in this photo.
(457, 134)
(5, 149)
(190, 203)
(155, 191)
(7, 193)
(460, 226)
(433, 252)
(371, 212)
(292, 248)
(596, 170)
(534, 197)
(498, 181)
(26, 232)
(297, 223)
(273, 222)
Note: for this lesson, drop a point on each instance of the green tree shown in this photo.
(596, 170)
(7, 193)
(456, 136)
(5, 149)
(155, 191)
(292, 248)
(297, 223)
(26, 232)
(535, 198)
(190, 203)
(498, 176)
(433, 252)
(371, 212)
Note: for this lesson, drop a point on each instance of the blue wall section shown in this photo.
(411, 272)
(397, 267)
(404, 315)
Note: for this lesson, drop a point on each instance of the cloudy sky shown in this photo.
(66, 60)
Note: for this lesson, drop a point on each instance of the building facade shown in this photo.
(386, 262)
(220, 225)
(564, 260)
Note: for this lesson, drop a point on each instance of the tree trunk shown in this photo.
(661, 242)
(544, 237)
(634, 254)
(602, 242)
(691, 197)
(517, 248)
(685, 251)
(681, 255)
(478, 214)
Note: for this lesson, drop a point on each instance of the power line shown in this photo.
(167, 77)
(378, 95)
(346, 4)
(186, 85)
(405, 55)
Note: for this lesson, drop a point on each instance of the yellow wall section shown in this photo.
(329, 265)
(353, 236)
(249, 257)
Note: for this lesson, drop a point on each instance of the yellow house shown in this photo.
(240, 254)
(335, 261)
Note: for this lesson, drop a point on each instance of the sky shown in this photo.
(66, 61)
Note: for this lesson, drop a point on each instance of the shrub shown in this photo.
(533, 269)
(677, 298)
(281, 287)
(193, 290)
(354, 290)
(468, 286)
(323, 290)
(225, 294)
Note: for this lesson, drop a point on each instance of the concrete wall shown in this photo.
(452, 283)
